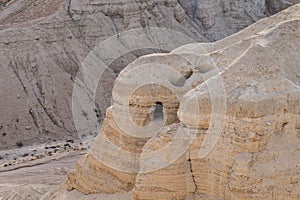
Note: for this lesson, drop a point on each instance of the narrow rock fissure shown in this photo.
(192, 173)
(69, 10)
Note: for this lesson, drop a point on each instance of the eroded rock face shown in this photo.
(42, 46)
(254, 154)
(43, 43)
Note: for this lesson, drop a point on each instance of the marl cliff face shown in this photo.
(256, 152)
(43, 43)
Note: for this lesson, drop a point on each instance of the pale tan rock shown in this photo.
(256, 155)
(140, 102)
(43, 43)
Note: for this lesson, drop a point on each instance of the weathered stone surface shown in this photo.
(256, 155)
(42, 44)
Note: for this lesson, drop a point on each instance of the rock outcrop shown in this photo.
(236, 134)
(43, 43)
(42, 46)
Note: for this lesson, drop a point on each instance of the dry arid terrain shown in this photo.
(150, 100)
(230, 127)
(43, 44)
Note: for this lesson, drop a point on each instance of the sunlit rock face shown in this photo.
(236, 134)
(43, 43)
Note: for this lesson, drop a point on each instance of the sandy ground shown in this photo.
(34, 179)
(43, 179)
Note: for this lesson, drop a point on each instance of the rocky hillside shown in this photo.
(43, 43)
(230, 118)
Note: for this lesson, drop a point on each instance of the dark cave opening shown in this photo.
(158, 112)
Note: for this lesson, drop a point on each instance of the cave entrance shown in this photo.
(158, 112)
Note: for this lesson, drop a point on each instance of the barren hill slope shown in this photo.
(230, 128)
(43, 43)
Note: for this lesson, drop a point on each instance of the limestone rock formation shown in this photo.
(236, 134)
(42, 44)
